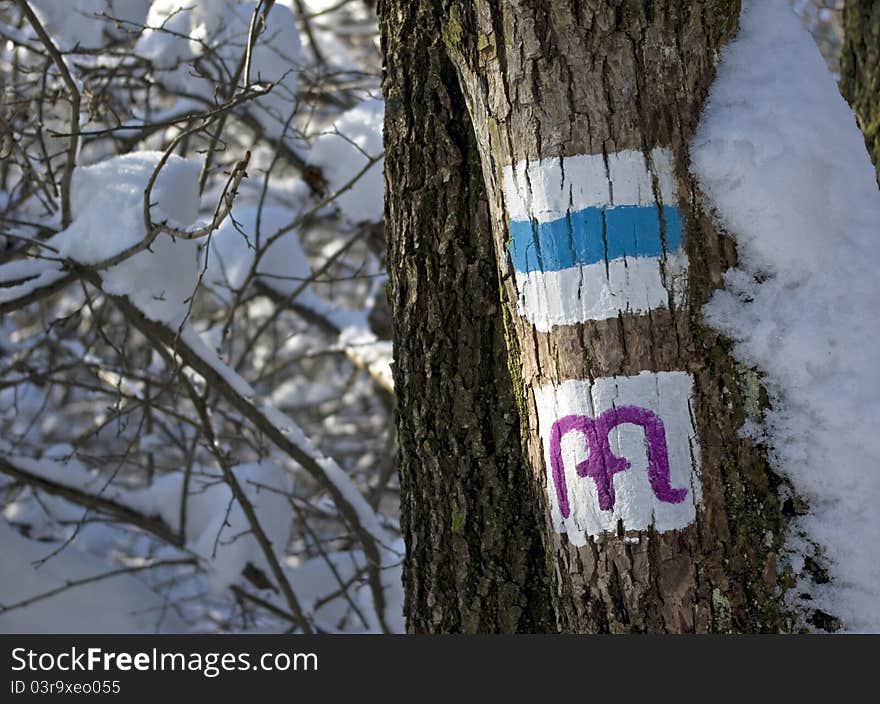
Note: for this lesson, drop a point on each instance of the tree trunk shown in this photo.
(474, 554)
(655, 514)
(860, 69)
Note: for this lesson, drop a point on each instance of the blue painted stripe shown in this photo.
(594, 235)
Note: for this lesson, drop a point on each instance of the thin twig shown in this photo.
(74, 583)
(75, 102)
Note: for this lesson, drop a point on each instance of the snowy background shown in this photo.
(228, 196)
(257, 493)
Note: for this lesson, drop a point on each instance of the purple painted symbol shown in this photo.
(602, 464)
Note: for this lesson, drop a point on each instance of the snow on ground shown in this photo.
(119, 604)
(216, 528)
(312, 576)
(778, 153)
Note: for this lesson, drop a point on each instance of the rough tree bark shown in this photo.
(860, 69)
(655, 514)
(474, 551)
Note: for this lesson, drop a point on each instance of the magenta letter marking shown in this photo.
(602, 464)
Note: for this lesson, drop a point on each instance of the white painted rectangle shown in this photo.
(593, 236)
(600, 291)
(663, 397)
(549, 189)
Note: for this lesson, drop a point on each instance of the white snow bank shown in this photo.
(107, 202)
(180, 31)
(315, 580)
(216, 527)
(83, 23)
(344, 150)
(284, 268)
(233, 248)
(120, 604)
(778, 153)
(367, 517)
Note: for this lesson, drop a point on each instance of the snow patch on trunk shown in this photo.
(780, 157)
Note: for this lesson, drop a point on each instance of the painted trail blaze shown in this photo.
(602, 464)
(593, 236)
(620, 449)
(590, 238)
